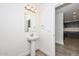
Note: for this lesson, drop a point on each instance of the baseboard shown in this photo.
(59, 43)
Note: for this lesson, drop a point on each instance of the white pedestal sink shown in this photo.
(32, 39)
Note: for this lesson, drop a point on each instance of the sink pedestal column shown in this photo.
(32, 52)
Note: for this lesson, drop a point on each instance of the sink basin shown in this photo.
(32, 37)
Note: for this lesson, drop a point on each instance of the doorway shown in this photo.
(67, 26)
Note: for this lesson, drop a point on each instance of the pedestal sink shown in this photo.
(32, 39)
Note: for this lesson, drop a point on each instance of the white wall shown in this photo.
(47, 39)
(12, 36)
(59, 28)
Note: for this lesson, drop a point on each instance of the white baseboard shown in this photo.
(62, 43)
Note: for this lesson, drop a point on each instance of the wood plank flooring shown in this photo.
(40, 53)
(70, 47)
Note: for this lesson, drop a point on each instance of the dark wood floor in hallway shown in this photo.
(70, 47)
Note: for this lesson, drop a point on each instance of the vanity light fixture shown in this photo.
(30, 8)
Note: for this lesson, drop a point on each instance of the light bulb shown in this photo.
(28, 6)
(32, 9)
(35, 10)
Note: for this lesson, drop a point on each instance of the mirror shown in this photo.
(27, 22)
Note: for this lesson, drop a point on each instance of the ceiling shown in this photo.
(58, 4)
(71, 12)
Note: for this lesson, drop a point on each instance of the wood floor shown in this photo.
(70, 47)
(40, 53)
